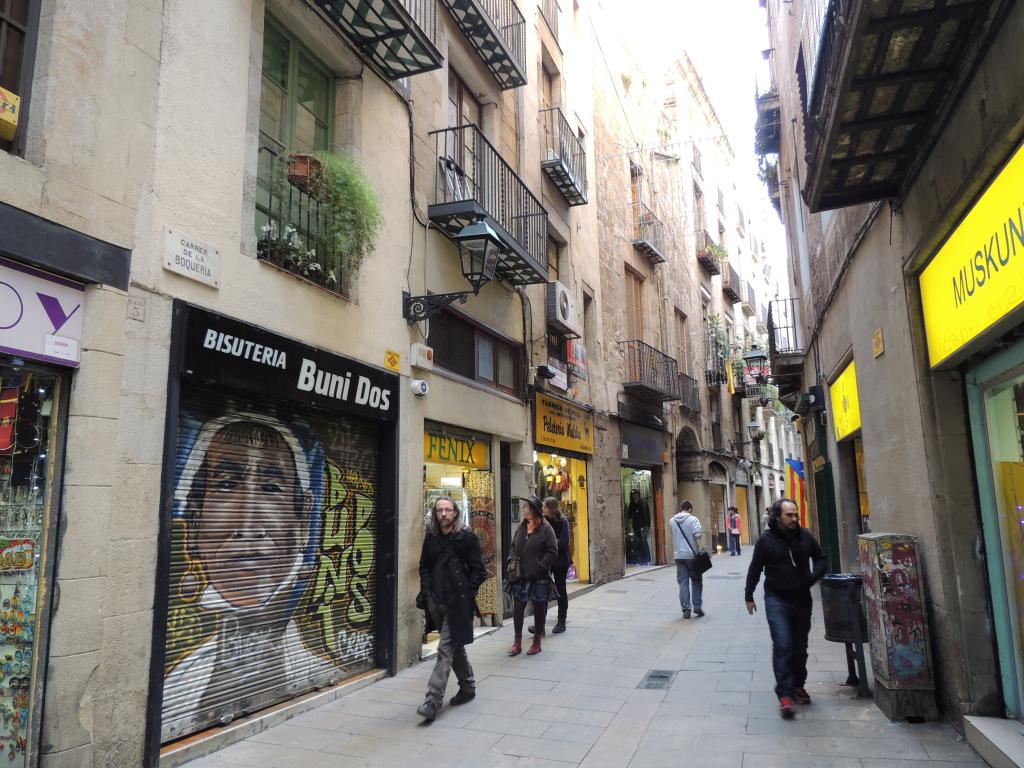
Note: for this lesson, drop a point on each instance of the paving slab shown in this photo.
(578, 705)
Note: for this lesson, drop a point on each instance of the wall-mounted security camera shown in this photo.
(419, 387)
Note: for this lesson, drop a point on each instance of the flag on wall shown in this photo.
(795, 487)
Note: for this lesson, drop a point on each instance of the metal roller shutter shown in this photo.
(271, 589)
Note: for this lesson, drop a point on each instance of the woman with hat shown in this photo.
(534, 549)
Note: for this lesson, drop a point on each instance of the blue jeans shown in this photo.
(686, 573)
(790, 623)
(734, 543)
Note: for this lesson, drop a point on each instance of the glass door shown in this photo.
(997, 424)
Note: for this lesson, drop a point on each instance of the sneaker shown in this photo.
(559, 628)
(686, 614)
(427, 710)
(787, 708)
(463, 696)
(698, 612)
(801, 696)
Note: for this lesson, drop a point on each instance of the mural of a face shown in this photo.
(253, 522)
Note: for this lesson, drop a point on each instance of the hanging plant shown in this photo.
(717, 251)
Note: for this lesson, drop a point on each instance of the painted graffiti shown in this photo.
(272, 560)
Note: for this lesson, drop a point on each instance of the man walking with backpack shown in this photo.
(451, 571)
(792, 562)
(685, 532)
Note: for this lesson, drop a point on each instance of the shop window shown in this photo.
(19, 22)
(472, 352)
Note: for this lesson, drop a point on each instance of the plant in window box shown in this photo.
(283, 247)
(717, 251)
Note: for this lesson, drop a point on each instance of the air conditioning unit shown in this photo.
(562, 310)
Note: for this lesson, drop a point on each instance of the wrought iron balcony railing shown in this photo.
(715, 353)
(709, 261)
(497, 30)
(649, 373)
(885, 77)
(784, 332)
(473, 180)
(749, 300)
(549, 10)
(565, 159)
(399, 36)
(294, 230)
(768, 127)
(731, 283)
(689, 393)
(648, 233)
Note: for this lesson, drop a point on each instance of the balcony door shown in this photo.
(464, 110)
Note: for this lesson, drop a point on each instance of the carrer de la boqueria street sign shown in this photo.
(223, 352)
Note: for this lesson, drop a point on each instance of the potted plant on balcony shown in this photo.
(303, 169)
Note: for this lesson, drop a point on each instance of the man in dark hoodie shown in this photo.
(792, 562)
(451, 571)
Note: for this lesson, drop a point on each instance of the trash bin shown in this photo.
(843, 609)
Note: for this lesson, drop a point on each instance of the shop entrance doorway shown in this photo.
(639, 514)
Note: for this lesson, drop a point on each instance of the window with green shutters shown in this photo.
(296, 115)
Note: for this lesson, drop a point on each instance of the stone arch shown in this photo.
(717, 473)
(688, 457)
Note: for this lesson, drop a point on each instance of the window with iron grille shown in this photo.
(294, 229)
(474, 353)
(19, 24)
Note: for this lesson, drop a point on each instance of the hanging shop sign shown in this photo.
(577, 359)
(40, 314)
(445, 445)
(228, 353)
(845, 402)
(558, 424)
(641, 445)
(976, 280)
(560, 378)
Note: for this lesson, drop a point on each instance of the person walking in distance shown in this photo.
(451, 571)
(560, 568)
(733, 525)
(792, 561)
(534, 549)
(686, 531)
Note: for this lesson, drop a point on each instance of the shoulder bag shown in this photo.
(701, 558)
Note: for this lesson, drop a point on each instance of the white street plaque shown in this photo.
(192, 258)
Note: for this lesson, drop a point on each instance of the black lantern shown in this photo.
(478, 251)
(756, 431)
(479, 246)
(755, 357)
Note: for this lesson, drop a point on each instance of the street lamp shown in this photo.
(479, 246)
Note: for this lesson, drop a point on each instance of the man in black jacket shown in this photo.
(451, 571)
(792, 562)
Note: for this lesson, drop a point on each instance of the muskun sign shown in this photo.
(976, 280)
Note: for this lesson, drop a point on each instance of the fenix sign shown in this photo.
(41, 315)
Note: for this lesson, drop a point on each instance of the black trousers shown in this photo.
(559, 575)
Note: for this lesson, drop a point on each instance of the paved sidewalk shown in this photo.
(577, 703)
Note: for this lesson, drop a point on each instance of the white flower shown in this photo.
(269, 230)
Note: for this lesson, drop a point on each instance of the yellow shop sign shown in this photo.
(563, 425)
(845, 402)
(10, 110)
(977, 277)
(468, 451)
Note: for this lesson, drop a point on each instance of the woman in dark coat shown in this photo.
(535, 547)
(559, 568)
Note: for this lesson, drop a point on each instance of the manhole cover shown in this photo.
(615, 591)
(657, 679)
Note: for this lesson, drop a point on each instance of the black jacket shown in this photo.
(638, 514)
(451, 571)
(536, 552)
(792, 563)
(562, 534)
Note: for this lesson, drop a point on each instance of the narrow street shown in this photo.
(578, 703)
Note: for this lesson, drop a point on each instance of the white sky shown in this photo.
(725, 40)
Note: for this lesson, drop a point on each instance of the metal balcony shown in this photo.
(497, 30)
(398, 36)
(709, 261)
(884, 79)
(565, 159)
(715, 353)
(749, 305)
(731, 283)
(648, 233)
(762, 319)
(471, 179)
(785, 346)
(689, 393)
(649, 374)
(767, 129)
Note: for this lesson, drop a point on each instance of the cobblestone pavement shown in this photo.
(577, 703)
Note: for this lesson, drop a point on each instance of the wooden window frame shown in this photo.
(498, 341)
(26, 73)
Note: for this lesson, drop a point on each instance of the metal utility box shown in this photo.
(894, 598)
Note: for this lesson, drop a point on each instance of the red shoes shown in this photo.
(517, 646)
(535, 647)
(787, 708)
